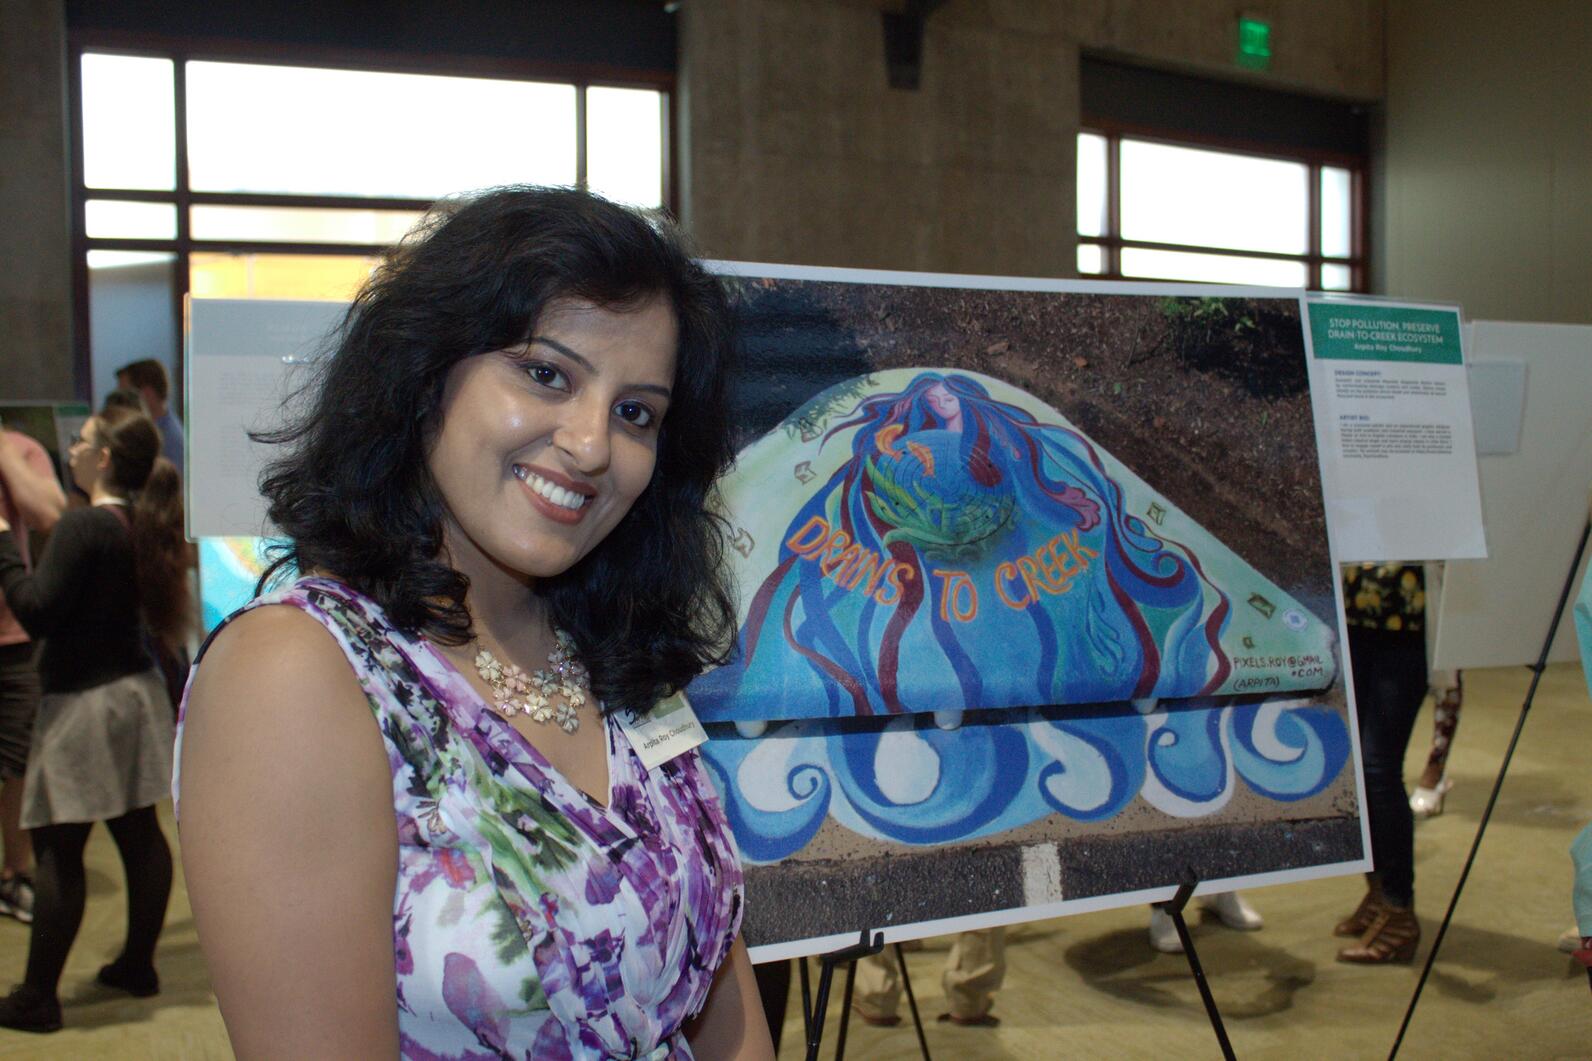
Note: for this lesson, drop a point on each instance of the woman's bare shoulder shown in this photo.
(276, 667)
(288, 841)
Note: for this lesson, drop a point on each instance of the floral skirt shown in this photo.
(98, 753)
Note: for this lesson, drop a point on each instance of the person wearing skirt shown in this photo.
(112, 575)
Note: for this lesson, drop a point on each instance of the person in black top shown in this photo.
(102, 742)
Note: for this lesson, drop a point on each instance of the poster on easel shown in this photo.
(1038, 604)
(1397, 440)
(1038, 608)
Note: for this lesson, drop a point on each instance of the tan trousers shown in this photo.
(973, 971)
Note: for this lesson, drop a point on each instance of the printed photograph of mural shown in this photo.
(1036, 606)
(229, 570)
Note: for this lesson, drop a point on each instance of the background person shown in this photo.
(148, 378)
(30, 499)
(171, 657)
(1386, 613)
(125, 398)
(974, 970)
(101, 748)
(507, 461)
(1448, 696)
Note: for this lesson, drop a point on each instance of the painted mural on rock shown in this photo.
(925, 540)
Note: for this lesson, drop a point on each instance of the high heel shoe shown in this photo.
(1392, 936)
(1355, 924)
(1428, 802)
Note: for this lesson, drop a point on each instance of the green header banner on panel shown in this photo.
(1341, 332)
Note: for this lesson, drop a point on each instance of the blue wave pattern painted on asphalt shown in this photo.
(909, 781)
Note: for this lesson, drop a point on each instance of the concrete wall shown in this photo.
(1487, 175)
(35, 234)
(795, 149)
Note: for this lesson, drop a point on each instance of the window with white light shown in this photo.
(1159, 210)
(1184, 177)
(211, 179)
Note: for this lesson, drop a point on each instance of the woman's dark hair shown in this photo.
(154, 487)
(124, 398)
(649, 607)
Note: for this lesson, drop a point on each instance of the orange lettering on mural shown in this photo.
(1051, 569)
(958, 596)
(834, 551)
(895, 576)
(810, 538)
(849, 565)
(1003, 574)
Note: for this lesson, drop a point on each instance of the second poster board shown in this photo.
(1495, 612)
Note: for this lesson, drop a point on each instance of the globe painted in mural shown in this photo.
(935, 496)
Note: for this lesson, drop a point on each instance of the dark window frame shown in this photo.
(581, 76)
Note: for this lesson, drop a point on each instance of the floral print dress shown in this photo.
(529, 920)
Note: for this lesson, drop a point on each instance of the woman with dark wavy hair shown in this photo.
(497, 492)
(112, 573)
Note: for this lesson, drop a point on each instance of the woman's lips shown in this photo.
(563, 501)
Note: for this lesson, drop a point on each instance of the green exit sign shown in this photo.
(1254, 43)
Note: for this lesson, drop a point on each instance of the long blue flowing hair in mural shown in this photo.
(874, 608)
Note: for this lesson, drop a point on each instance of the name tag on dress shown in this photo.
(670, 729)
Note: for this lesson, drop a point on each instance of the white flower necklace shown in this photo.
(554, 695)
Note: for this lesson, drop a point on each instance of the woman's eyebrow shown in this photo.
(654, 388)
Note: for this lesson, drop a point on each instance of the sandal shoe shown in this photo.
(1428, 802)
(28, 1010)
(140, 983)
(983, 1020)
(1354, 926)
(1391, 937)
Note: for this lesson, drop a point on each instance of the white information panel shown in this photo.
(242, 357)
(1495, 612)
(1393, 414)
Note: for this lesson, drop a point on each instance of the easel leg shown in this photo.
(912, 1002)
(807, 1001)
(1174, 907)
(845, 1009)
(813, 1014)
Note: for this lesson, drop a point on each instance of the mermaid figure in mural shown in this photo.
(969, 555)
(967, 545)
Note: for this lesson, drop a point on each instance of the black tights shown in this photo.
(60, 889)
(1389, 685)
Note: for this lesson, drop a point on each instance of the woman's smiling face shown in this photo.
(543, 448)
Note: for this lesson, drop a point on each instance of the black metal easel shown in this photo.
(814, 1011)
(1174, 906)
(1498, 784)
